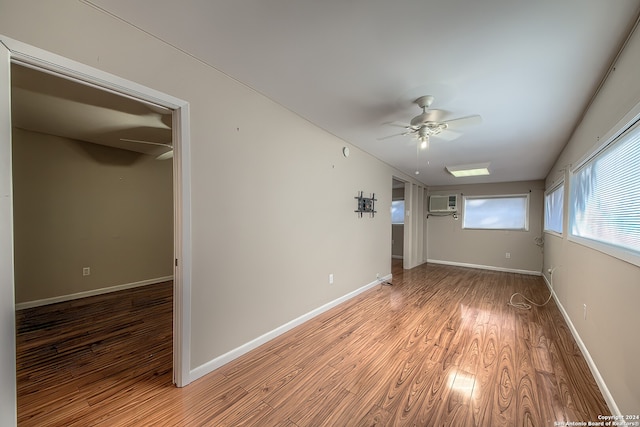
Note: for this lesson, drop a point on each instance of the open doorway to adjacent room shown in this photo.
(397, 221)
(96, 216)
(93, 233)
(408, 224)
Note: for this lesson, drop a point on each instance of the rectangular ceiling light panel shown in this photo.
(469, 170)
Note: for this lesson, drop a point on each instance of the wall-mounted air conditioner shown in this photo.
(443, 203)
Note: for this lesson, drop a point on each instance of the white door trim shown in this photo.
(42, 60)
(8, 397)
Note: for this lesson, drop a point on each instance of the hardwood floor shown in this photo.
(439, 347)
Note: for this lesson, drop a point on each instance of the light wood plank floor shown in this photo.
(439, 347)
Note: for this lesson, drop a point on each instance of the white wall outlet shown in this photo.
(378, 276)
(584, 312)
(331, 279)
(507, 255)
(86, 271)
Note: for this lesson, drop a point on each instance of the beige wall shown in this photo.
(79, 205)
(272, 196)
(608, 286)
(449, 243)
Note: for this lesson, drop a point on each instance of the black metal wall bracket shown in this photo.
(366, 204)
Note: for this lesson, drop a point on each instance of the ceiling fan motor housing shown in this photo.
(424, 101)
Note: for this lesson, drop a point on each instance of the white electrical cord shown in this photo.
(523, 305)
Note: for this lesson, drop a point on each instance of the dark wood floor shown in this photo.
(439, 347)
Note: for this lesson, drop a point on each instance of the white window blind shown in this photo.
(605, 197)
(553, 209)
(496, 212)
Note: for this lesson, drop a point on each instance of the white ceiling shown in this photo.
(529, 68)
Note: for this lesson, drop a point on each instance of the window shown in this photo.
(553, 209)
(496, 212)
(397, 212)
(605, 199)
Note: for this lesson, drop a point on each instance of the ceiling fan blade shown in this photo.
(433, 115)
(398, 124)
(463, 121)
(397, 134)
(165, 156)
(447, 135)
(146, 142)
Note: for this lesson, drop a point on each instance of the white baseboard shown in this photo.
(84, 294)
(485, 267)
(613, 407)
(219, 361)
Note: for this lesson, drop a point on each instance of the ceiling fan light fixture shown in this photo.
(461, 171)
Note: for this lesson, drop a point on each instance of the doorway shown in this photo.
(92, 190)
(93, 210)
(18, 54)
(397, 220)
(413, 248)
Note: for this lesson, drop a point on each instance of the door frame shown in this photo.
(414, 252)
(41, 60)
(395, 179)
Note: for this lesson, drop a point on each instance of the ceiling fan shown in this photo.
(429, 123)
(166, 149)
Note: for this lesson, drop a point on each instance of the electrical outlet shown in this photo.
(331, 279)
(584, 311)
(86, 271)
(378, 276)
(507, 255)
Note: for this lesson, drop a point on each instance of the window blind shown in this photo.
(496, 212)
(553, 209)
(605, 195)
